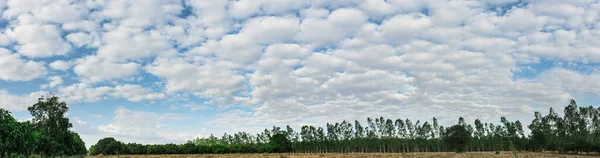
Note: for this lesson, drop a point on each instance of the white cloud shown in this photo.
(2, 6)
(79, 39)
(572, 82)
(14, 68)
(16, 7)
(38, 41)
(52, 82)
(271, 29)
(319, 31)
(135, 93)
(59, 12)
(13, 102)
(499, 2)
(95, 69)
(211, 80)
(316, 60)
(61, 65)
(347, 18)
(81, 92)
(195, 107)
(142, 14)
(401, 28)
(521, 20)
(130, 43)
(377, 8)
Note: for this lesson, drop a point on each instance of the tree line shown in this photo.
(578, 131)
(278, 143)
(47, 134)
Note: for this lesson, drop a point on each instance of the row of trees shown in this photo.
(47, 134)
(577, 132)
(109, 146)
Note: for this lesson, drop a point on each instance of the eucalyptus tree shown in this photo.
(479, 134)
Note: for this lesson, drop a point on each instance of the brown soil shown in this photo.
(364, 155)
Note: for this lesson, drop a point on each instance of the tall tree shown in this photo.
(49, 118)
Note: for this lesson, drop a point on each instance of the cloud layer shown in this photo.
(273, 62)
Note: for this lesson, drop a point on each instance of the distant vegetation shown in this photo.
(578, 131)
(47, 134)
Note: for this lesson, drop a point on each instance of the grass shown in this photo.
(362, 155)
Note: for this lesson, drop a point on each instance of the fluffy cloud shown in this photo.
(297, 62)
(39, 41)
(18, 102)
(401, 28)
(95, 69)
(60, 65)
(14, 68)
(135, 93)
(82, 92)
(211, 80)
(79, 39)
(125, 43)
(271, 29)
(53, 82)
(573, 82)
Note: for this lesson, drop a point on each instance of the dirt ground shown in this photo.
(364, 155)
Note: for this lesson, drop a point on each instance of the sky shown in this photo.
(156, 71)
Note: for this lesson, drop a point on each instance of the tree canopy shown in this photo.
(47, 134)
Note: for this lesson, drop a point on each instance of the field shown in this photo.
(362, 155)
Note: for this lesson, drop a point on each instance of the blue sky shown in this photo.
(169, 71)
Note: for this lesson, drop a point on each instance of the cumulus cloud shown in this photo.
(15, 68)
(135, 93)
(61, 65)
(297, 62)
(95, 69)
(53, 82)
(12, 102)
(79, 39)
(39, 40)
(81, 92)
(212, 80)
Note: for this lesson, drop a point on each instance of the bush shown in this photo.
(108, 146)
(189, 148)
(220, 149)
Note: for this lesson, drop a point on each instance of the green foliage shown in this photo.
(77, 146)
(92, 150)
(47, 135)
(136, 149)
(16, 138)
(189, 148)
(55, 138)
(280, 143)
(156, 149)
(457, 137)
(108, 146)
